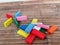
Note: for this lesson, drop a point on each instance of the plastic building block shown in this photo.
(22, 18)
(43, 26)
(8, 22)
(34, 21)
(29, 28)
(43, 30)
(39, 34)
(39, 23)
(8, 15)
(22, 33)
(16, 22)
(30, 38)
(52, 29)
(23, 27)
(37, 28)
(19, 13)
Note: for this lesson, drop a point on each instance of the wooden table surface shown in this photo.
(48, 13)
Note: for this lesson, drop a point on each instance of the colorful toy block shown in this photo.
(23, 27)
(30, 38)
(8, 15)
(29, 28)
(22, 33)
(43, 26)
(52, 29)
(39, 34)
(16, 22)
(8, 22)
(37, 28)
(19, 13)
(38, 24)
(22, 18)
(34, 21)
(43, 30)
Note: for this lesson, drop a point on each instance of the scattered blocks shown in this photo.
(9, 15)
(22, 33)
(52, 29)
(23, 27)
(30, 38)
(22, 18)
(29, 28)
(16, 22)
(19, 13)
(39, 34)
(34, 21)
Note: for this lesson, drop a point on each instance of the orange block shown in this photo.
(52, 29)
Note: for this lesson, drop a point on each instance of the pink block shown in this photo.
(43, 26)
(22, 18)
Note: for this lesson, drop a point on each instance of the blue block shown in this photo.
(23, 27)
(19, 13)
(29, 28)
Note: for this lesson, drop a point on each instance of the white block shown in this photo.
(37, 28)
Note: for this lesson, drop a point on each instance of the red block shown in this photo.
(38, 34)
(9, 15)
(30, 38)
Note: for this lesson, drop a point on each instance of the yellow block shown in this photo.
(34, 21)
(22, 33)
(8, 22)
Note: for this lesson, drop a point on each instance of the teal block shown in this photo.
(29, 28)
(19, 13)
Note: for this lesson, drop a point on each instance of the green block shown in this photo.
(16, 22)
(43, 30)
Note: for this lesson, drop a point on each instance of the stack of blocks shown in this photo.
(31, 30)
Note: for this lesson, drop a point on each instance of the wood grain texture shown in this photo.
(47, 13)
